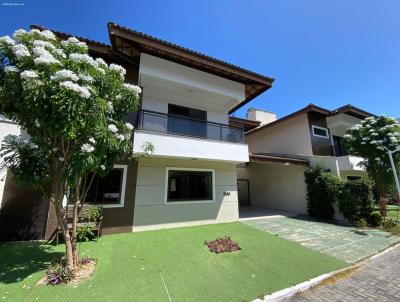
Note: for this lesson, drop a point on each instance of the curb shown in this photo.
(301, 287)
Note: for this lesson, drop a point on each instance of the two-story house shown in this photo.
(184, 112)
(281, 149)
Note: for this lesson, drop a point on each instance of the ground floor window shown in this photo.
(110, 189)
(189, 185)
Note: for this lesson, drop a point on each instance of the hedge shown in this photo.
(324, 190)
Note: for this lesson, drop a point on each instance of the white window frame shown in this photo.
(320, 128)
(167, 169)
(123, 187)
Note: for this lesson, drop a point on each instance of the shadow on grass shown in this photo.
(19, 260)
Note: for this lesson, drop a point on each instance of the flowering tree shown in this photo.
(372, 139)
(72, 108)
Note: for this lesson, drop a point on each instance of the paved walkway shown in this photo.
(345, 243)
(378, 280)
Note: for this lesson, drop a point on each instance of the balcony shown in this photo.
(180, 137)
(349, 163)
(173, 124)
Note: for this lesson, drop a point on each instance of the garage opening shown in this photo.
(271, 185)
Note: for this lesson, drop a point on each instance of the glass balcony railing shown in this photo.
(174, 124)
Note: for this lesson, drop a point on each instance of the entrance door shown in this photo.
(243, 192)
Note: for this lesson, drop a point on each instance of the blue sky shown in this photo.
(329, 53)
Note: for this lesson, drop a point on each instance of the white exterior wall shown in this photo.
(166, 145)
(290, 137)
(279, 187)
(6, 127)
(151, 212)
(165, 82)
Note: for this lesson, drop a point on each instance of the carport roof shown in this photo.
(274, 158)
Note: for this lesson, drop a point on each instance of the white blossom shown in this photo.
(10, 69)
(120, 137)
(60, 52)
(73, 41)
(129, 126)
(65, 74)
(48, 34)
(92, 140)
(110, 106)
(87, 148)
(44, 44)
(102, 71)
(377, 158)
(34, 31)
(85, 77)
(41, 51)
(82, 91)
(135, 89)
(28, 75)
(102, 167)
(37, 124)
(363, 143)
(18, 33)
(6, 40)
(373, 142)
(82, 58)
(55, 149)
(45, 58)
(100, 62)
(347, 136)
(113, 128)
(117, 68)
(20, 51)
(61, 158)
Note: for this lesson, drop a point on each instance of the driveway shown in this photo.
(345, 243)
(378, 280)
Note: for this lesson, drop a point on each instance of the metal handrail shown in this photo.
(142, 113)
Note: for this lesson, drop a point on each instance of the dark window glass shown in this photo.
(107, 189)
(189, 185)
(320, 132)
(338, 144)
(187, 121)
(353, 177)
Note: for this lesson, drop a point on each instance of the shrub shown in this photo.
(389, 223)
(92, 214)
(84, 233)
(86, 260)
(355, 200)
(395, 230)
(222, 245)
(362, 223)
(59, 273)
(323, 189)
(374, 219)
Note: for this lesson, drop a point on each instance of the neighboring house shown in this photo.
(281, 149)
(184, 112)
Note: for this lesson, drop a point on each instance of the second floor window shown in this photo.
(187, 121)
(320, 132)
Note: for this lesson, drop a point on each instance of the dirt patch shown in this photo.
(339, 276)
(83, 273)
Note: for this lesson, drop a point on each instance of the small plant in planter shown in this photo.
(59, 273)
(222, 245)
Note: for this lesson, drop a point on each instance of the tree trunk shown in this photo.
(62, 222)
(74, 241)
(382, 201)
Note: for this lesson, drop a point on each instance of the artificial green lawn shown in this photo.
(130, 265)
